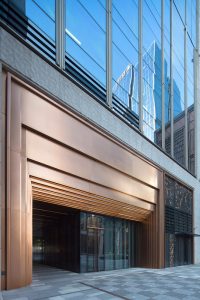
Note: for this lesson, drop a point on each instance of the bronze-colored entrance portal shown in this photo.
(46, 161)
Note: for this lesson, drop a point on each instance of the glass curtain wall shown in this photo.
(167, 96)
(106, 243)
(33, 20)
(85, 58)
(125, 54)
(85, 38)
(178, 80)
(125, 59)
(42, 14)
(191, 40)
(152, 66)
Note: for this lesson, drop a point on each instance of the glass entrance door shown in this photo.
(106, 243)
(95, 259)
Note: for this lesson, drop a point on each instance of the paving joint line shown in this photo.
(55, 295)
(102, 290)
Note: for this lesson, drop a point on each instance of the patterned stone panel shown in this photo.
(169, 191)
(177, 195)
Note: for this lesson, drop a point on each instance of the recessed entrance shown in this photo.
(81, 242)
(56, 236)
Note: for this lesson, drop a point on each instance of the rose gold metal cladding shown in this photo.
(54, 155)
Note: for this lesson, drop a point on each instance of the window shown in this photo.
(190, 106)
(178, 84)
(191, 20)
(42, 14)
(167, 94)
(125, 56)
(86, 38)
(85, 59)
(34, 20)
(152, 93)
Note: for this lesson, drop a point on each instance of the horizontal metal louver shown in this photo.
(177, 221)
(50, 192)
(27, 30)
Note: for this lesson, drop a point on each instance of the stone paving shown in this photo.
(139, 284)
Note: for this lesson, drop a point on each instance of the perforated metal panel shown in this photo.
(178, 223)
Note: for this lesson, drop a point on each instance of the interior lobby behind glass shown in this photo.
(106, 243)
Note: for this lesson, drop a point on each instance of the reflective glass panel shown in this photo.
(190, 106)
(125, 53)
(180, 6)
(42, 13)
(191, 19)
(191, 139)
(178, 86)
(152, 103)
(86, 36)
(167, 76)
(34, 21)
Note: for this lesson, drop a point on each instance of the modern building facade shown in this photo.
(100, 149)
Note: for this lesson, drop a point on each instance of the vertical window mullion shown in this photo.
(163, 73)
(140, 79)
(171, 79)
(185, 90)
(60, 33)
(197, 94)
(109, 52)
